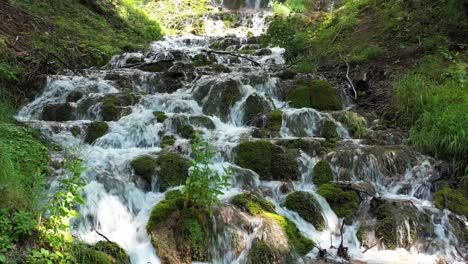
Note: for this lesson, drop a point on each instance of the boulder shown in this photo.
(343, 202)
(316, 94)
(57, 112)
(307, 207)
(96, 130)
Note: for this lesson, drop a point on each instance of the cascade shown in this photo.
(227, 98)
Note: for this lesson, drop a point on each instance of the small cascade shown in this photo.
(226, 87)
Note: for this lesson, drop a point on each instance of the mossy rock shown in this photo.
(255, 105)
(221, 97)
(322, 173)
(160, 116)
(201, 60)
(252, 203)
(355, 124)
(328, 130)
(451, 199)
(114, 106)
(202, 121)
(181, 235)
(275, 120)
(114, 250)
(307, 207)
(220, 68)
(174, 201)
(109, 109)
(265, 252)
(158, 66)
(57, 112)
(96, 130)
(362, 235)
(144, 166)
(172, 170)
(269, 161)
(76, 131)
(187, 132)
(82, 253)
(167, 141)
(344, 203)
(316, 94)
(74, 96)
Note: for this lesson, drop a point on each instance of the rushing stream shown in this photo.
(118, 204)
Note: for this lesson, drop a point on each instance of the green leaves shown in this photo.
(203, 185)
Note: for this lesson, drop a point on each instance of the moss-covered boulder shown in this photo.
(355, 124)
(160, 116)
(112, 249)
(202, 121)
(271, 162)
(362, 235)
(172, 170)
(328, 130)
(316, 94)
(114, 106)
(158, 66)
(57, 112)
(96, 130)
(281, 233)
(275, 120)
(180, 235)
(394, 217)
(167, 141)
(266, 252)
(201, 60)
(187, 132)
(218, 97)
(74, 96)
(307, 207)
(451, 199)
(255, 105)
(144, 166)
(220, 68)
(344, 203)
(322, 173)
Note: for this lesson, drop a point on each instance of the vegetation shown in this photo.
(307, 207)
(96, 130)
(322, 173)
(355, 124)
(315, 94)
(452, 200)
(343, 202)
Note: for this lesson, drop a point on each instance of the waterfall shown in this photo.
(213, 97)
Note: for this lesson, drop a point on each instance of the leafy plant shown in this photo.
(203, 185)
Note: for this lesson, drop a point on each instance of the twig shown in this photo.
(103, 236)
(233, 54)
(373, 245)
(349, 79)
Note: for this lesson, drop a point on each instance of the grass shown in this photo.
(433, 102)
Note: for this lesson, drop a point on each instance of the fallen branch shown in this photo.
(233, 54)
(136, 65)
(349, 79)
(103, 236)
(373, 245)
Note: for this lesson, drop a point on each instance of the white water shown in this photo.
(119, 208)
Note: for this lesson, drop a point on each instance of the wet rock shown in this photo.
(74, 96)
(145, 167)
(220, 68)
(363, 187)
(185, 69)
(255, 105)
(328, 130)
(382, 137)
(57, 112)
(96, 130)
(343, 202)
(322, 173)
(172, 170)
(158, 66)
(451, 199)
(269, 161)
(245, 178)
(102, 252)
(263, 52)
(400, 223)
(220, 98)
(307, 207)
(114, 250)
(201, 60)
(180, 236)
(355, 124)
(311, 147)
(316, 94)
(114, 106)
(202, 121)
(167, 141)
(160, 116)
(286, 75)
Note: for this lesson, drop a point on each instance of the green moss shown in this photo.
(74, 96)
(144, 166)
(174, 201)
(202, 121)
(82, 253)
(160, 116)
(364, 54)
(275, 120)
(167, 141)
(269, 161)
(201, 60)
(114, 250)
(187, 131)
(307, 207)
(344, 203)
(96, 130)
(199, 239)
(252, 203)
(452, 200)
(173, 170)
(361, 235)
(328, 130)
(57, 112)
(75, 130)
(322, 173)
(266, 252)
(254, 107)
(386, 230)
(109, 109)
(316, 94)
(220, 68)
(355, 124)
(301, 244)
